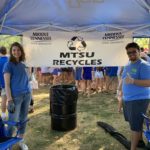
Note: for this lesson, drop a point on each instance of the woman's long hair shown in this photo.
(22, 57)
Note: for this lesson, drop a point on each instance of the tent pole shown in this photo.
(4, 18)
(12, 28)
(145, 4)
(62, 28)
(19, 33)
(142, 27)
(17, 3)
(142, 35)
(115, 27)
(91, 28)
(34, 29)
(50, 26)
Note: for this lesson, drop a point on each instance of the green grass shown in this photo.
(87, 135)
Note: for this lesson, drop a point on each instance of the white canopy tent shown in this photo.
(78, 17)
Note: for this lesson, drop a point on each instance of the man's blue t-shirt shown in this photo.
(19, 78)
(139, 70)
(3, 60)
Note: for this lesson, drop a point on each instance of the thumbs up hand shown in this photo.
(129, 79)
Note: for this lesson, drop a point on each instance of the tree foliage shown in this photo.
(7, 40)
(143, 42)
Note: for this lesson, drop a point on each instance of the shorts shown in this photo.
(133, 111)
(3, 92)
(78, 73)
(56, 72)
(87, 76)
(99, 74)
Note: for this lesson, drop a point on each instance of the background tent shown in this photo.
(17, 16)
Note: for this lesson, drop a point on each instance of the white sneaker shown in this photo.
(23, 146)
(3, 115)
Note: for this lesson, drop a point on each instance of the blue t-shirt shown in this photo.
(19, 78)
(3, 60)
(139, 70)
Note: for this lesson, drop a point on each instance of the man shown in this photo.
(136, 92)
(3, 60)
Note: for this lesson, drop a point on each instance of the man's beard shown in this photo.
(133, 59)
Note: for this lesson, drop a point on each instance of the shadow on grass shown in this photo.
(87, 135)
(39, 133)
(99, 140)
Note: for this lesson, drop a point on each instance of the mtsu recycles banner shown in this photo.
(61, 49)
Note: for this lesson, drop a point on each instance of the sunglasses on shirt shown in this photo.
(133, 52)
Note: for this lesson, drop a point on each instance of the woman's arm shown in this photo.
(7, 86)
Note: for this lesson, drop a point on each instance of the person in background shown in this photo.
(51, 69)
(112, 80)
(3, 60)
(31, 107)
(39, 75)
(67, 75)
(18, 91)
(56, 76)
(136, 93)
(45, 76)
(144, 55)
(87, 79)
(99, 78)
(78, 78)
(106, 79)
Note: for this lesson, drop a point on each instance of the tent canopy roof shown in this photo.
(17, 16)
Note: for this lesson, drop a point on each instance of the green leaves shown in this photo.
(7, 40)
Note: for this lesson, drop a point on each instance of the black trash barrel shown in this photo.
(63, 104)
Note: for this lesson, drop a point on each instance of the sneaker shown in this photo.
(141, 144)
(3, 116)
(148, 146)
(23, 146)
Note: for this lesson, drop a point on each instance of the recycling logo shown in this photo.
(76, 43)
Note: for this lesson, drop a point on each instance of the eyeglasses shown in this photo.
(133, 52)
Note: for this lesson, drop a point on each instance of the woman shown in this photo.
(17, 88)
(78, 78)
(87, 78)
(99, 77)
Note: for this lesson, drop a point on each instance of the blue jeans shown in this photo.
(22, 103)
